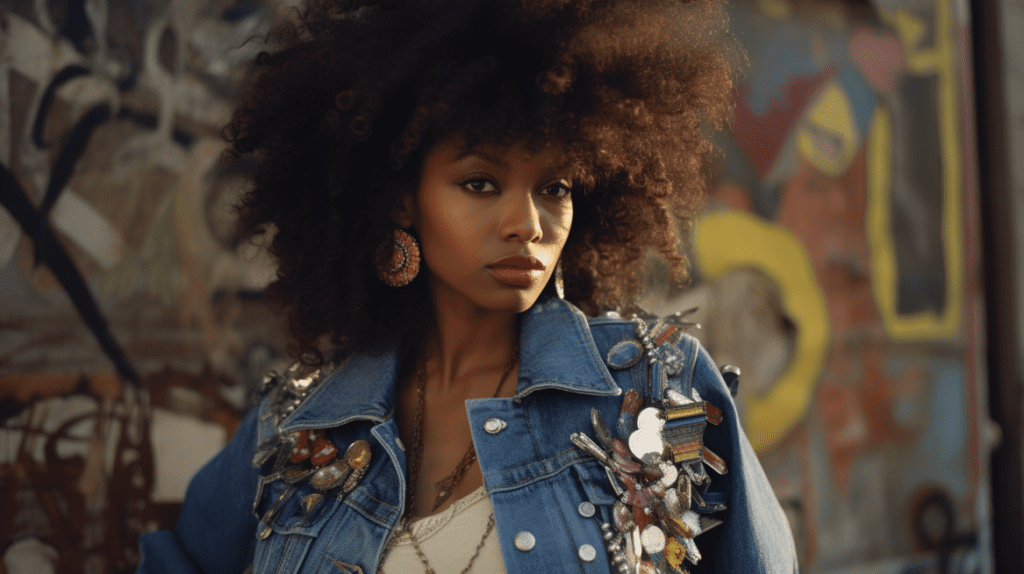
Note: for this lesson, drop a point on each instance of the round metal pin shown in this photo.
(358, 454)
(645, 441)
(330, 476)
(653, 539)
(625, 354)
(650, 419)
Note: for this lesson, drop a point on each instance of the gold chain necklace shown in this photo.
(446, 486)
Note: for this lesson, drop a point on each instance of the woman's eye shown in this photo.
(560, 189)
(479, 185)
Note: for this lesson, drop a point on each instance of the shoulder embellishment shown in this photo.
(306, 460)
(657, 462)
(661, 342)
(284, 393)
(625, 354)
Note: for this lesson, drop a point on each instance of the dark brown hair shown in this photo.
(351, 94)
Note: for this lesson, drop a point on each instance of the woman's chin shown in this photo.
(515, 300)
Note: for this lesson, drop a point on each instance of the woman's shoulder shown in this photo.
(665, 340)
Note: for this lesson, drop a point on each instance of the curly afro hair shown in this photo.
(350, 94)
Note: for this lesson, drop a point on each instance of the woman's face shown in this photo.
(492, 223)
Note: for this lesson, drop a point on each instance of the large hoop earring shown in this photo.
(559, 282)
(398, 259)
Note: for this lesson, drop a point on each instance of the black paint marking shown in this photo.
(180, 136)
(73, 149)
(933, 522)
(62, 77)
(34, 223)
(76, 27)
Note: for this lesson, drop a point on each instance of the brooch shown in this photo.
(304, 459)
(656, 464)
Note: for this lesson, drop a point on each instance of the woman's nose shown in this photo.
(521, 221)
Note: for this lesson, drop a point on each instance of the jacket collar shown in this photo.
(557, 351)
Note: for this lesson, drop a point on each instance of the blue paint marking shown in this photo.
(941, 450)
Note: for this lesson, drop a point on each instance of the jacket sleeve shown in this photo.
(216, 531)
(755, 537)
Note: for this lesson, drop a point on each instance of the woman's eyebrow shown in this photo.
(488, 157)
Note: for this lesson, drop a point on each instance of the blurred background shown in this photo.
(858, 259)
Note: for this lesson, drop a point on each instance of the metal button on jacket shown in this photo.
(399, 444)
(586, 509)
(494, 426)
(587, 553)
(525, 541)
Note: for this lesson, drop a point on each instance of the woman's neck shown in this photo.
(467, 341)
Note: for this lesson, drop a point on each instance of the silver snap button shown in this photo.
(399, 444)
(494, 426)
(586, 509)
(525, 541)
(587, 553)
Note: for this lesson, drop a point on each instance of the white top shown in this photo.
(448, 539)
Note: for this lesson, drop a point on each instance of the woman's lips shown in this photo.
(517, 270)
(516, 276)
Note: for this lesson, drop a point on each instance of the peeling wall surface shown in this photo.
(836, 264)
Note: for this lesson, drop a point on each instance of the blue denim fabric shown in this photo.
(534, 475)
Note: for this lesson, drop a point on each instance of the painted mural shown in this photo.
(132, 325)
(837, 262)
(835, 265)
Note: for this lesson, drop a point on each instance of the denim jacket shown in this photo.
(535, 477)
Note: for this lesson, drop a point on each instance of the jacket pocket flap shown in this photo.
(595, 482)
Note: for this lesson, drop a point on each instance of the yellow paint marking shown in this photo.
(730, 240)
(828, 136)
(938, 60)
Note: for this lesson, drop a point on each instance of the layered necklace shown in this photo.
(446, 486)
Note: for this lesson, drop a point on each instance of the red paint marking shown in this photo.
(762, 137)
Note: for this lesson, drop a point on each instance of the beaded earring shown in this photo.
(398, 259)
(559, 282)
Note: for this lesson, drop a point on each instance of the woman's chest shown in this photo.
(547, 497)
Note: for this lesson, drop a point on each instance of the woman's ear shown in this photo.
(404, 212)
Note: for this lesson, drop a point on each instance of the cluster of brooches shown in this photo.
(298, 456)
(656, 465)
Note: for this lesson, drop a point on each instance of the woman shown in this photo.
(447, 185)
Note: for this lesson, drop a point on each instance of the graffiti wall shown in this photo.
(131, 326)
(837, 267)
